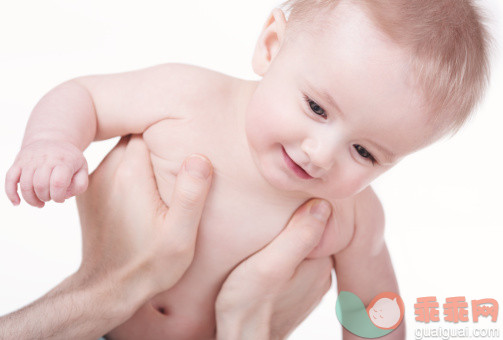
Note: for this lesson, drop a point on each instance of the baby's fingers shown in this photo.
(26, 184)
(60, 181)
(79, 183)
(11, 180)
(41, 179)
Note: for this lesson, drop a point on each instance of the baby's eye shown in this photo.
(364, 153)
(315, 107)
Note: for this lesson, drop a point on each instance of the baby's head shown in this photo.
(349, 88)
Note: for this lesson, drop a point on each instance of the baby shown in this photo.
(348, 89)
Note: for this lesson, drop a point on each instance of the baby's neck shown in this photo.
(254, 182)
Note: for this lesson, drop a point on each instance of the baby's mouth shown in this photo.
(299, 171)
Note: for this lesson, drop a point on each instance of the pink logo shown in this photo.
(386, 310)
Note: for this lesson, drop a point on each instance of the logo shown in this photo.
(456, 316)
(384, 314)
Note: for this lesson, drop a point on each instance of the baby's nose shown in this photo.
(321, 155)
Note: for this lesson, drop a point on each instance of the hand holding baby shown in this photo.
(133, 240)
(47, 170)
(270, 293)
(134, 246)
(129, 230)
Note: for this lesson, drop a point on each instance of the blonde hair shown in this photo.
(448, 45)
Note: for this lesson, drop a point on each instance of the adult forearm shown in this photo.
(66, 113)
(78, 308)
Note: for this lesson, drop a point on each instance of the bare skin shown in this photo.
(249, 130)
(133, 248)
(131, 254)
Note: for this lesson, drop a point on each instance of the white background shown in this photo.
(443, 204)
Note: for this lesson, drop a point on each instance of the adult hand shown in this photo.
(127, 228)
(271, 292)
(133, 248)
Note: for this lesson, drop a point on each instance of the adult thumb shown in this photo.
(280, 258)
(189, 196)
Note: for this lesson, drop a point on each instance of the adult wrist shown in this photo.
(80, 307)
(125, 289)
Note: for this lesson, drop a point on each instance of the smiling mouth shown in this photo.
(294, 166)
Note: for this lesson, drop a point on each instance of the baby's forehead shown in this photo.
(447, 39)
(377, 88)
(324, 16)
(346, 25)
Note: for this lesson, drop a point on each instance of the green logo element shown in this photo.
(382, 316)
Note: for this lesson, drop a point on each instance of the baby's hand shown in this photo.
(47, 170)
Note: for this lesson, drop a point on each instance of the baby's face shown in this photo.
(340, 105)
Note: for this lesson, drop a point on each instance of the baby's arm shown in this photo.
(364, 267)
(66, 120)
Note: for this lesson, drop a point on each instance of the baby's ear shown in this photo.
(269, 41)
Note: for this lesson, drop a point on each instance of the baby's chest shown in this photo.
(233, 218)
(238, 220)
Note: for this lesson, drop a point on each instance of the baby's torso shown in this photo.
(236, 221)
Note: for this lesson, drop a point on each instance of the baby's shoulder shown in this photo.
(197, 75)
(368, 220)
(182, 90)
(199, 84)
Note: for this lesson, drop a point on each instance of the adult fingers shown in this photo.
(297, 299)
(136, 164)
(312, 279)
(280, 258)
(189, 196)
(112, 160)
(102, 176)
